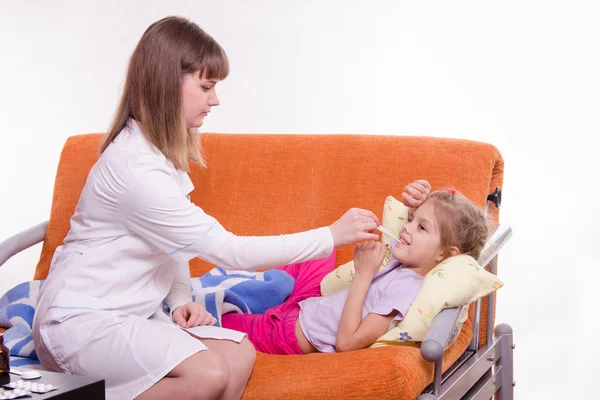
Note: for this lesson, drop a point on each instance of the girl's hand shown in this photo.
(368, 257)
(353, 227)
(416, 193)
(192, 314)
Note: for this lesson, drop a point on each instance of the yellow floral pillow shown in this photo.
(455, 282)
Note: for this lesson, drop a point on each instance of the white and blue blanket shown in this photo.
(223, 291)
(17, 308)
(220, 291)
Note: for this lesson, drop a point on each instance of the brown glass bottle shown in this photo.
(4, 357)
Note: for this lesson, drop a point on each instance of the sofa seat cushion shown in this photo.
(393, 372)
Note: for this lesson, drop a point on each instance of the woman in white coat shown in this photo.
(100, 311)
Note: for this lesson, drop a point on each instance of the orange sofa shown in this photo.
(271, 184)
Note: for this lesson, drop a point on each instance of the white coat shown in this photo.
(132, 234)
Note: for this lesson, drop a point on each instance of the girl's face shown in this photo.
(198, 96)
(419, 246)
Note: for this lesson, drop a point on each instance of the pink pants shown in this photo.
(274, 331)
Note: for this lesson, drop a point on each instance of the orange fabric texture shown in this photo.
(273, 184)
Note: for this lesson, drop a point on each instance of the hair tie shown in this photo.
(452, 191)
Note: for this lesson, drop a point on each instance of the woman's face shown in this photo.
(198, 96)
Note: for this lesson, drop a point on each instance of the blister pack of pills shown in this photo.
(14, 394)
(33, 387)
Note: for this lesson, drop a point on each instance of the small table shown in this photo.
(70, 387)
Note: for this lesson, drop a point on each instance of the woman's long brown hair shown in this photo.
(169, 49)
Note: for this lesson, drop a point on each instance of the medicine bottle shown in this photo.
(4, 357)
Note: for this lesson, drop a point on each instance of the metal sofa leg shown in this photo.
(505, 332)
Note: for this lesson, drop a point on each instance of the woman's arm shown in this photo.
(354, 332)
(153, 206)
(181, 290)
(183, 311)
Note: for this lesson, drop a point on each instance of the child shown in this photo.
(444, 225)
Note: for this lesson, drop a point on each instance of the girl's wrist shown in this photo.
(364, 276)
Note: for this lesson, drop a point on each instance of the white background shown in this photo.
(522, 75)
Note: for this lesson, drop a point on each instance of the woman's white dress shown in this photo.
(100, 311)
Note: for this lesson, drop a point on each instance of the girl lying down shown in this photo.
(444, 225)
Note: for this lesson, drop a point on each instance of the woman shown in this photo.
(134, 229)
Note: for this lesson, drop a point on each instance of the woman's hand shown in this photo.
(192, 314)
(353, 227)
(368, 257)
(416, 193)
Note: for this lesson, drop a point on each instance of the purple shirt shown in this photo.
(393, 290)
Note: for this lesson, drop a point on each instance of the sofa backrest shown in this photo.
(272, 184)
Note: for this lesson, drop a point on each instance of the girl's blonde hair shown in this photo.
(461, 223)
(168, 50)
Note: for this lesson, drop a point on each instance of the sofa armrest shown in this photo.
(438, 336)
(21, 241)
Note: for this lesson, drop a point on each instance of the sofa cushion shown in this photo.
(273, 184)
(398, 373)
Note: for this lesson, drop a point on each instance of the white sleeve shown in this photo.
(154, 206)
(181, 290)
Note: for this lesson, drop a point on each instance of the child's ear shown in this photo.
(453, 251)
(450, 252)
